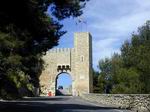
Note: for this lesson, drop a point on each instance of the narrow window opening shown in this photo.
(82, 58)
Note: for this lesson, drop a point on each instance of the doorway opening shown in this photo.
(63, 85)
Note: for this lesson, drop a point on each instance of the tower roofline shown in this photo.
(82, 33)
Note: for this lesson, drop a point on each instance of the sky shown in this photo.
(110, 23)
(64, 80)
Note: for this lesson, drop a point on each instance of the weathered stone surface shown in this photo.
(135, 102)
(77, 62)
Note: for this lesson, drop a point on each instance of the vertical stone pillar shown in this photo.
(83, 62)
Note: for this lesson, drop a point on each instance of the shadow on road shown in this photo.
(44, 99)
(34, 106)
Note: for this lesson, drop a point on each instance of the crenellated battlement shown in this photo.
(61, 50)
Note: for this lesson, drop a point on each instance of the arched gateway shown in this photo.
(75, 61)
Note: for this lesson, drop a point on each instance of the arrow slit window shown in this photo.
(82, 58)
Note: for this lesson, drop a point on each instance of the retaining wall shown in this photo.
(135, 102)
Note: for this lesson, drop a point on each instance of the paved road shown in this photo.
(54, 104)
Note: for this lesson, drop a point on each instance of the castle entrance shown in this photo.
(76, 61)
(63, 84)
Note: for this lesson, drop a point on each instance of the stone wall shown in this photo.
(135, 102)
(76, 61)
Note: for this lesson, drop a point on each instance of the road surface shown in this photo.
(54, 104)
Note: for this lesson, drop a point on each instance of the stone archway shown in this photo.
(66, 87)
(76, 61)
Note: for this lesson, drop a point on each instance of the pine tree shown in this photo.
(27, 31)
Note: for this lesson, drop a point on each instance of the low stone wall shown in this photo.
(135, 102)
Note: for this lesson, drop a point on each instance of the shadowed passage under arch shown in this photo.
(63, 84)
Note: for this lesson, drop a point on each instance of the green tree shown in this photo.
(102, 82)
(129, 72)
(127, 81)
(136, 54)
(105, 77)
(96, 88)
(27, 31)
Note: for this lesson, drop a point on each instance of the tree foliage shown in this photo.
(96, 88)
(128, 72)
(27, 31)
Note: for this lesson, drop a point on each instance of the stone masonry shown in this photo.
(134, 102)
(77, 62)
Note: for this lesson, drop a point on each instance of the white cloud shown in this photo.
(103, 48)
(103, 43)
(123, 25)
(112, 22)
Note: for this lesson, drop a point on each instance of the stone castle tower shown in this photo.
(77, 62)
